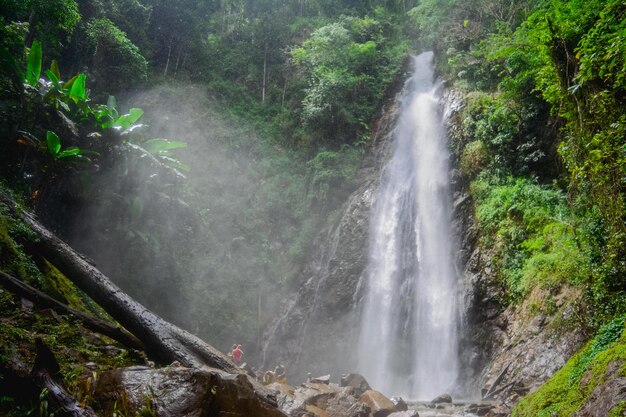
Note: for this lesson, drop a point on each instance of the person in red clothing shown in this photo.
(237, 354)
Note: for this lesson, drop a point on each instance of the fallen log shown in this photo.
(93, 323)
(165, 342)
(47, 374)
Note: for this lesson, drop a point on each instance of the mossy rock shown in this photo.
(592, 378)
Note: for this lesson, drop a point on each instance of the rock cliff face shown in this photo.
(505, 351)
(318, 329)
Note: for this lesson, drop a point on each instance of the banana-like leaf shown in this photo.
(159, 145)
(74, 151)
(70, 83)
(54, 142)
(125, 121)
(33, 65)
(78, 91)
(52, 77)
(54, 68)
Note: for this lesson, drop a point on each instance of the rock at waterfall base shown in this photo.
(357, 382)
(380, 405)
(177, 391)
(400, 404)
(442, 399)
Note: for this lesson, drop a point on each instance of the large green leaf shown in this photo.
(54, 142)
(76, 152)
(70, 83)
(78, 91)
(54, 68)
(52, 77)
(126, 120)
(160, 145)
(33, 65)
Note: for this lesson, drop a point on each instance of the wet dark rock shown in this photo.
(356, 381)
(179, 391)
(442, 399)
(400, 404)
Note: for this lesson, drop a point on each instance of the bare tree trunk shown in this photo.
(282, 102)
(264, 75)
(167, 62)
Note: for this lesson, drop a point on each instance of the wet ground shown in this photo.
(459, 409)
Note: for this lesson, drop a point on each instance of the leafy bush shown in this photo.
(347, 66)
(474, 158)
(529, 227)
(117, 63)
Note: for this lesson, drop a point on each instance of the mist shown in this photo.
(210, 251)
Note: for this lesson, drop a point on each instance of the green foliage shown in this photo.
(52, 21)
(619, 410)
(571, 53)
(33, 69)
(564, 393)
(529, 227)
(429, 17)
(330, 169)
(511, 140)
(474, 158)
(13, 260)
(117, 63)
(607, 334)
(347, 65)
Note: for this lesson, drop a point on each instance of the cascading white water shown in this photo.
(408, 343)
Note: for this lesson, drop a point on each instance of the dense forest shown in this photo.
(196, 149)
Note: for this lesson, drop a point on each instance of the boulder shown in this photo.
(178, 391)
(318, 400)
(399, 403)
(325, 379)
(285, 397)
(344, 404)
(355, 381)
(379, 405)
(442, 399)
(314, 411)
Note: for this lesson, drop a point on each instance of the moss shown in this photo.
(568, 389)
(619, 410)
(57, 285)
(13, 260)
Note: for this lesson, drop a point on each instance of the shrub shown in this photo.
(117, 62)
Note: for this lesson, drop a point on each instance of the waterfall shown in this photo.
(408, 342)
